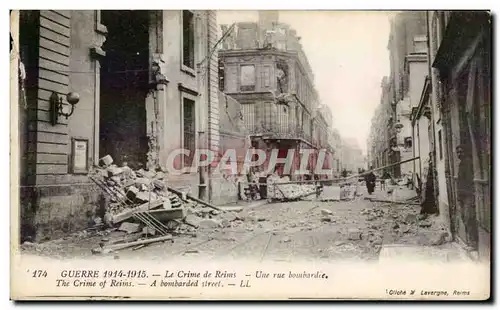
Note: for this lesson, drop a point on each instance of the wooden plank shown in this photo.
(53, 66)
(56, 17)
(52, 159)
(44, 126)
(51, 169)
(48, 24)
(52, 148)
(54, 36)
(55, 47)
(51, 86)
(53, 56)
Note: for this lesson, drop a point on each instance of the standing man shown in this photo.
(370, 179)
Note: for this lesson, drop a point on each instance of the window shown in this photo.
(420, 44)
(188, 39)
(189, 129)
(408, 142)
(221, 75)
(247, 78)
(266, 76)
(440, 140)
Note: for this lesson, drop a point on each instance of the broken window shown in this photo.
(282, 76)
(247, 78)
(189, 129)
(188, 39)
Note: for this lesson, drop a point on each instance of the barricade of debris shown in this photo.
(287, 191)
(141, 203)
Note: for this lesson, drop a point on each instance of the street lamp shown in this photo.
(56, 106)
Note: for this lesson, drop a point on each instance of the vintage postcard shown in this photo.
(205, 154)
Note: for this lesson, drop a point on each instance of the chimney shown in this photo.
(267, 18)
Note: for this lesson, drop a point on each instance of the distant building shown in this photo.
(261, 63)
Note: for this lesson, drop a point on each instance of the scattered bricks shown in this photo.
(421, 217)
(425, 224)
(261, 219)
(146, 196)
(225, 223)
(129, 228)
(354, 234)
(148, 231)
(116, 179)
(113, 170)
(159, 184)
(172, 224)
(160, 175)
(250, 218)
(167, 204)
(149, 174)
(395, 226)
(105, 161)
(438, 239)
(377, 241)
(140, 173)
(215, 212)
(326, 219)
(232, 209)
(142, 181)
(326, 212)
(230, 216)
(143, 188)
(128, 172)
(192, 220)
(128, 182)
(404, 228)
(209, 223)
(410, 218)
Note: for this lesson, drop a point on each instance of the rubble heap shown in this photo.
(287, 191)
(141, 202)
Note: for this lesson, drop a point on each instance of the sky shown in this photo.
(348, 55)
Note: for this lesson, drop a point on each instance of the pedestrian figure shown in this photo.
(370, 179)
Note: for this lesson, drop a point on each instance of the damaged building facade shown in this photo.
(441, 81)
(265, 69)
(134, 85)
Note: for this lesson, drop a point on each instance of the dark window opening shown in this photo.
(188, 39)
(408, 142)
(189, 127)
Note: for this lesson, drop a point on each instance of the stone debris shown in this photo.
(354, 234)
(141, 201)
(326, 212)
(277, 191)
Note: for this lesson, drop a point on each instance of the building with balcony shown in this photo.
(260, 64)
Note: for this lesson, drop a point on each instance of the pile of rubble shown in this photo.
(141, 203)
(287, 191)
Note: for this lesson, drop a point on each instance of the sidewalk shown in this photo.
(448, 252)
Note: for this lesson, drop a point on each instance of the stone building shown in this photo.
(460, 54)
(408, 48)
(147, 84)
(263, 63)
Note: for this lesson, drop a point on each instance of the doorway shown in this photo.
(124, 82)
